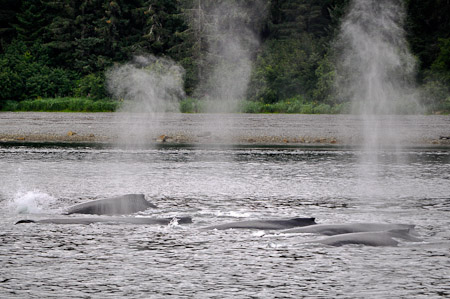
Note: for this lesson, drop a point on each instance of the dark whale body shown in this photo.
(127, 220)
(120, 205)
(336, 229)
(380, 238)
(270, 224)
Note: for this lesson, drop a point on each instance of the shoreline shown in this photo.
(209, 129)
(186, 141)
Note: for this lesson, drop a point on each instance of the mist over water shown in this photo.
(229, 31)
(231, 44)
(375, 69)
(148, 86)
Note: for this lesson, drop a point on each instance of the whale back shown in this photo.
(120, 205)
(300, 222)
(337, 229)
(368, 239)
(127, 220)
(267, 224)
(379, 238)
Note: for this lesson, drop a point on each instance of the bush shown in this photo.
(322, 109)
(191, 105)
(25, 73)
(11, 84)
(285, 68)
(48, 82)
(9, 105)
(91, 86)
(251, 107)
(434, 93)
(294, 105)
(445, 106)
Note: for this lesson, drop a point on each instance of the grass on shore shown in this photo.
(62, 105)
(188, 105)
(295, 105)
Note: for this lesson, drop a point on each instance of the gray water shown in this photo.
(216, 185)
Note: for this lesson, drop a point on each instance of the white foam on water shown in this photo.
(173, 222)
(234, 214)
(30, 202)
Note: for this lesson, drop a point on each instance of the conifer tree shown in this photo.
(8, 12)
(31, 21)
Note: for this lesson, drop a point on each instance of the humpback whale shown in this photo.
(267, 224)
(380, 238)
(129, 220)
(336, 229)
(120, 205)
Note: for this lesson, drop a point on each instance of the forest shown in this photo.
(62, 49)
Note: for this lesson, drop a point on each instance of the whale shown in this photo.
(119, 205)
(336, 229)
(110, 220)
(378, 238)
(268, 224)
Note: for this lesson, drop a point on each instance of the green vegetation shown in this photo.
(293, 105)
(62, 105)
(60, 50)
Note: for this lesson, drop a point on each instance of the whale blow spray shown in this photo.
(148, 87)
(375, 69)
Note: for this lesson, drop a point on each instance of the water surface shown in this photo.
(216, 185)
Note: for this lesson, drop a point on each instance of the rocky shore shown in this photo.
(244, 129)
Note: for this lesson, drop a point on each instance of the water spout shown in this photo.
(229, 34)
(375, 69)
(149, 86)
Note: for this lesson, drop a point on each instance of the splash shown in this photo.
(173, 223)
(30, 202)
(148, 86)
(376, 70)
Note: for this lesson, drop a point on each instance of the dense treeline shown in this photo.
(61, 48)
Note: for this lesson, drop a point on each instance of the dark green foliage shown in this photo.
(47, 82)
(91, 86)
(293, 18)
(8, 12)
(293, 105)
(292, 61)
(162, 24)
(213, 25)
(285, 69)
(427, 22)
(428, 28)
(191, 105)
(441, 64)
(324, 89)
(31, 21)
(62, 48)
(25, 73)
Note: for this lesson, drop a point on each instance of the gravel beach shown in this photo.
(251, 129)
